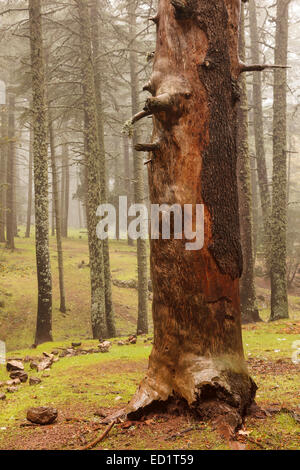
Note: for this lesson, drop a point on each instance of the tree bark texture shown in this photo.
(55, 196)
(3, 173)
(11, 175)
(247, 286)
(279, 297)
(29, 192)
(92, 165)
(109, 309)
(198, 351)
(138, 175)
(258, 123)
(40, 159)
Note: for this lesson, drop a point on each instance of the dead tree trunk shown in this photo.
(247, 286)
(29, 194)
(279, 297)
(11, 176)
(40, 159)
(198, 351)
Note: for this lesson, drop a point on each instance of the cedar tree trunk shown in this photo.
(198, 352)
(40, 159)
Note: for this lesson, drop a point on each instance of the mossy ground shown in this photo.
(79, 386)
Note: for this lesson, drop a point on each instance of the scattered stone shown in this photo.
(13, 382)
(55, 352)
(121, 343)
(19, 374)
(76, 345)
(34, 381)
(2, 384)
(48, 355)
(2, 396)
(46, 375)
(105, 346)
(42, 415)
(132, 339)
(34, 365)
(12, 389)
(45, 364)
(14, 365)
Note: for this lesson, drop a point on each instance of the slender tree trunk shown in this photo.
(198, 351)
(138, 170)
(40, 163)
(60, 258)
(127, 179)
(29, 193)
(247, 287)
(109, 309)
(279, 296)
(258, 123)
(92, 151)
(66, 193)
(3, 175)
(62, 189)
(10, 194)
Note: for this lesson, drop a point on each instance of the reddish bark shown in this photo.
(198, 352)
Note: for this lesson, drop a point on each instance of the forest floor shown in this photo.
(84, 387)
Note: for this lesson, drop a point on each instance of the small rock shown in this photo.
(76, 345)
(46, 375)
(13, 382)
(105, 346)
(34, 381)
(19, 374)
(2, 384)
(48, 355)
(42, 415)
(34, 365)
(12, 389)
(121, 343)
(55, 352)
(45, 364)
(2, 396)
(14, 365)
(132, 339)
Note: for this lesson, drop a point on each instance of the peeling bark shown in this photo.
(198, 352)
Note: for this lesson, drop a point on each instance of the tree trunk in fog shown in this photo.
(198, 351)
(109, 309)
(247, 286)
(3, 174)
(258, 123)
(127, 178)
(29, 191)
(11, 176)
(138, 175)
(279, 297)
(40, 164)
(66, 193)
(55, 196)
(92, 156)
